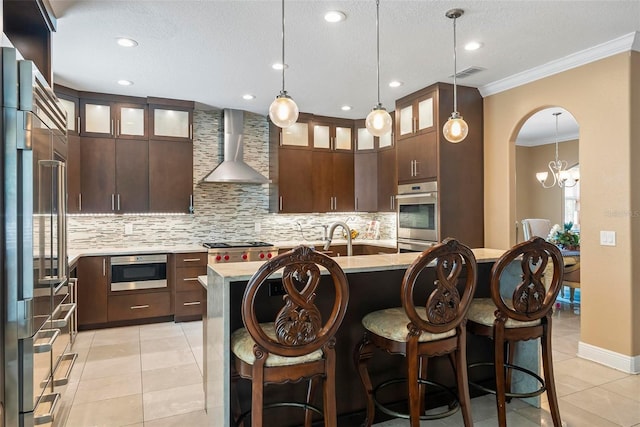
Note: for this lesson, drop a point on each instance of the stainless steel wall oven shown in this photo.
(417, 216)
(135, 272)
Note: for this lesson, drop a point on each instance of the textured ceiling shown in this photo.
(215, 51)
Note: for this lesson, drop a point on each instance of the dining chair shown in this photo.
(432, 326)
(520, 314)
(299, 343)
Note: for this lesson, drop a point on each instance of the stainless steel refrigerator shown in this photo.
(37, 307)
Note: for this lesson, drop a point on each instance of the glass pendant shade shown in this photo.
(378, 122)
(283, 111)
(455, 129)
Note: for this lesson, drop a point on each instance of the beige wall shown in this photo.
(598, 96)
(532, 200)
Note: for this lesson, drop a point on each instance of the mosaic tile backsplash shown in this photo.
(222, 212)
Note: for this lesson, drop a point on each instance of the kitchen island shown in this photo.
(374, 282)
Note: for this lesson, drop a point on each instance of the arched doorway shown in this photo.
(536, 143)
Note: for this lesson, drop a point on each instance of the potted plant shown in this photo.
(564, 237)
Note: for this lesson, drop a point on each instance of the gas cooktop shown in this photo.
(222, 245)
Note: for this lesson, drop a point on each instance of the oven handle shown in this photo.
(417, 195)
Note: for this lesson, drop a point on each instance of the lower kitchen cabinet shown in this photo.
(190, 298)
(93, 283)
(139, 306)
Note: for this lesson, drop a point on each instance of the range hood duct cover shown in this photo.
(233, 169)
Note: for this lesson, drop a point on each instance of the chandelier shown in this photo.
(561, 176)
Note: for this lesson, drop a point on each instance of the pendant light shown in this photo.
(456, 129)
(561, 176)
(283, 110)
(378, 121)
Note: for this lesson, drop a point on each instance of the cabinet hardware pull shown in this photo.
(191, 260)
(281, 137)
(118, 201)
(190, 203)
(391, 202)
(416, 167)
(111, 126)
(104, 267)
(79, 201)
(356, 203)
(415, 125)
(113, 203)
(411, 174)
(117, 127)
(190, 279)
(78, 120)
(280, 202)
(137, 307)
(192, 303)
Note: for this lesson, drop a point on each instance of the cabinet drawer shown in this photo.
(191, 259)
(190, 303)
(187, 278)
(139, 306)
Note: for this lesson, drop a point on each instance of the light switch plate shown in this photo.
(607, 238)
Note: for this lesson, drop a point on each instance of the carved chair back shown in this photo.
(446, 306)
(531, 299)
(299, 326)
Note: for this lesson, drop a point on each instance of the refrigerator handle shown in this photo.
(62, 221)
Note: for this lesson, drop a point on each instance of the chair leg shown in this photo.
(311, 392)
(463, 380)
(361, 356)
(422, 374)
(547, 365)
(412, 381)
(329, 387)
(236, 410)
(511, 353)
(571, 292)
(500, 374)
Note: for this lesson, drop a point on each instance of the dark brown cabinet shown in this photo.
(93, 283)
(332, 181)
(170, 119)
(170, 176)
(366, 181)
(294, 181)
(74, 173)
(423, 154)
(114, 175)
(190, 298)
(71, 103)
(112, 116)
(387, 180)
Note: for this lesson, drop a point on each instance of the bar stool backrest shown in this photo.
(531, 299)
(445, 307)
(300, 330)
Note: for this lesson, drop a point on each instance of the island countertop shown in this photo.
(351, 264)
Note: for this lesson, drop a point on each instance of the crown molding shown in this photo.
(625, 43)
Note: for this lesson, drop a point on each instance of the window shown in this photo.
(572, 201)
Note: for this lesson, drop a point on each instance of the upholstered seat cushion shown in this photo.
(482, 311)
(391, 324)
(242, 346)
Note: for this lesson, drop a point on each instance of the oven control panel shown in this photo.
(241, 254)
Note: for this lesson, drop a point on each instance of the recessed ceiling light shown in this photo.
(125, 82)
(334, 16)
(279, 66)
(346, 107)
(127, 42)
(473, 46)
(248, 96)
(395, 83)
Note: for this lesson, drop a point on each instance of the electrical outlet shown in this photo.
(276, 288)
(128, 229)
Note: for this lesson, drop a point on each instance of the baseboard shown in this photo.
(621, 362)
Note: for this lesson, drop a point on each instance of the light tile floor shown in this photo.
(151, 376)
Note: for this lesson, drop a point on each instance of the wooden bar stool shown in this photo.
(299, 344)
(433, 328)
(523, 315)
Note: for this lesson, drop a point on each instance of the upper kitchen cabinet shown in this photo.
(415, 113)
(112, 116)
(297, 135)
(332, 181)
(71, 103)
(170, 176)
(74, 174)
(364, 140)
(387, 180)
(171, 119)
(332, 134)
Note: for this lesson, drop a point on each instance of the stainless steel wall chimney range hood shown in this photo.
(233, 169)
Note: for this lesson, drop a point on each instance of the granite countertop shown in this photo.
(350, 264)
(74, 254)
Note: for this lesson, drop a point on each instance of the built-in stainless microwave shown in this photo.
(134, 272)
(417, 215)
